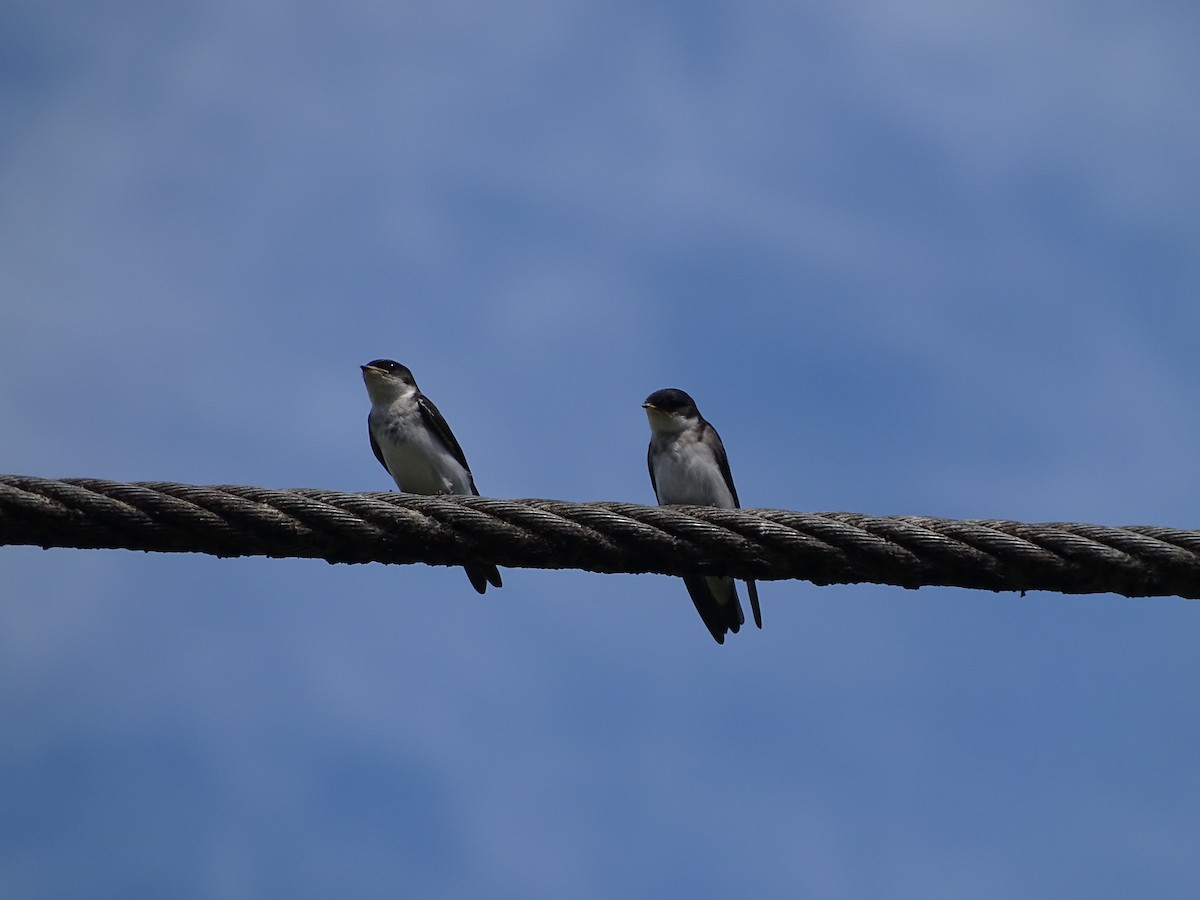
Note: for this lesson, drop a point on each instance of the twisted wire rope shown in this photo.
(825, 548)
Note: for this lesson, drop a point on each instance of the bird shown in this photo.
(688, 465)
(411, 439)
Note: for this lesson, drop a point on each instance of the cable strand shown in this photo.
(763, 544)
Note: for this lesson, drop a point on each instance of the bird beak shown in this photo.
(371, 370)
(649, 406)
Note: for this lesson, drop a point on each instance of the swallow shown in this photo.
(688, 465)
(411, 439)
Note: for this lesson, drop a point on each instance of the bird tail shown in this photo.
(752, 589)
(481, 576)
(717, 602)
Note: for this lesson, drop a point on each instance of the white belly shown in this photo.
(419, 463)
(691, 477)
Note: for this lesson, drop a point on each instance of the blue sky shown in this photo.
(908, 257)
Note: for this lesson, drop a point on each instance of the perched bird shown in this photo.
(688, 466)
(416, 446)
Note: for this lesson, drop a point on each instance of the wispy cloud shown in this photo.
(910, 258)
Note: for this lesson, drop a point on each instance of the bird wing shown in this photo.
(437, 424)
(723, 465)
(375, 448)
(650, 466)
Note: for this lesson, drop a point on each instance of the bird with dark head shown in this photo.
(411, 439)
(688, 465)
